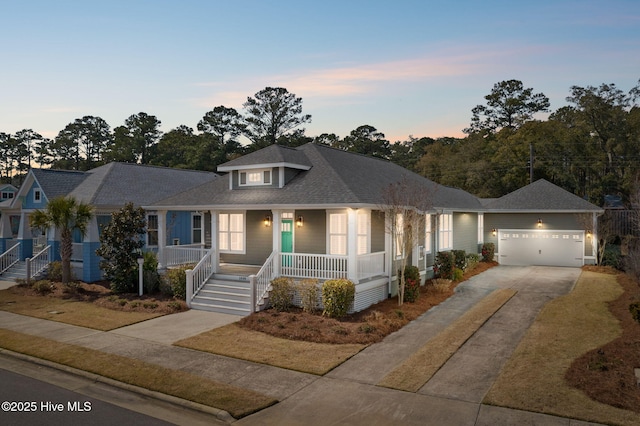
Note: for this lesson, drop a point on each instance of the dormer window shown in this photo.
(255, 177)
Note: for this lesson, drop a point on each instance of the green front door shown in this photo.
(287, 240)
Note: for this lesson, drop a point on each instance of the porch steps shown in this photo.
(16, 272)
(224, 295)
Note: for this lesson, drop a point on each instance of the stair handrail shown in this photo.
(37, 263)
(261, 282)
(198, 276)
(9, 258)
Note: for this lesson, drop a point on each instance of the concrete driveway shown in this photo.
(348, 395)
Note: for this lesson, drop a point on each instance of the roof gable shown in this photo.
(541, 195)
(271, 156)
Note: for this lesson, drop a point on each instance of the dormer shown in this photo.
(272, 167)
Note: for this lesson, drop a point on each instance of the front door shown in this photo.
(287, 240)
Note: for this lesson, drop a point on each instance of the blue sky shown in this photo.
(405, 67)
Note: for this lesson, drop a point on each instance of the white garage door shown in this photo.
(540, 247)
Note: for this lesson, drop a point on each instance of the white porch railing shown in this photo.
(9, 258)
(37, 263)
(198, 276)
(261, 282)
(371, 265)
(183, 255)
(320, 266)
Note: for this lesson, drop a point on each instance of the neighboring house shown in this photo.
(308, 212)
(7, 192)
(107, 189)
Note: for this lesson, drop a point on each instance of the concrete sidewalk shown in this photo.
(348, 395)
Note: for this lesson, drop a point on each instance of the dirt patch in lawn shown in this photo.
(365, 327)
(606, 374)
(86, 305)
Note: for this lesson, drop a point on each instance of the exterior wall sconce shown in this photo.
(588, 233)
(539, 223)
(299, 221)
(267, 220)
(494, 231)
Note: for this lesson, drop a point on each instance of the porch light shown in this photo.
(588, 233)
(539, 223)
(494, 231)
(299, 222)
(267, 220)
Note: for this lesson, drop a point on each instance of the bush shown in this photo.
(151, 277)
(472, 261)
(634, 308)
(54, 271)
(309, 291)
(460, 259)
(444, 264)
(611, 256)
(175, 282)
(43, 287)
(337, 297)
(488, 252)
(440, 285)
(411, 283)
(281, 294)
(458, 274)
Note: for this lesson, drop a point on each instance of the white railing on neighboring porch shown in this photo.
(37, 263)
(371, 265)
(261, 282)
(182, 255)
(320, 266)
(198, 276)
(9, 258)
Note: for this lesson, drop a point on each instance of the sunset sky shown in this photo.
(405, 67)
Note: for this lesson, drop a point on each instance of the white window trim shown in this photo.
(428, 234)
(229, 232)
(152, 229)
(37, 196)
(259, 172)
(344, 247)
(445, 231)
(480, 228)
(364, 215)
(399, 236)
(199, 229)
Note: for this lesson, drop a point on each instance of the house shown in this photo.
(7, 192)
(309, 212)
(107, 188)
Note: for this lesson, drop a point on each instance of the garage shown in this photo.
(541, 247)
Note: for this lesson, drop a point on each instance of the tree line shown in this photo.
(591, 147)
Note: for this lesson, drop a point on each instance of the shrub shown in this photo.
(411, 283)
(43, 287)
(611, 256)
(472, 261)
(440, 285)
(488, 252)
(460, 259)
(337, 297)
(309, 291)
(175, 282)
(444, 264)
(458, 274)
(281, 295)
(54, 271)
(634, 308)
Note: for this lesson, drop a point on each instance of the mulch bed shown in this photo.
(365, 327)
(607, 374)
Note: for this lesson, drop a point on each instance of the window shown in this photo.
(231, 232)
(363, 232)
(255, 177)
(427, 234)
(196, 229)
(338, 233)
(480, 228)
(399, 235)
(445, 232)
(37, 196)
(152, 230)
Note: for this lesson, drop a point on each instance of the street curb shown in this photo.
(218, 413)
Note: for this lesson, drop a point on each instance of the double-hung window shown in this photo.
(196, 229)
(231, 234)
(364, 223)
(152, 230)
(338, 234)
(427, 234)
(445, 232)
(480, 228)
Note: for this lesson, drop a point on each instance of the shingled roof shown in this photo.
(57, 183)
(335, 178)
(541, 195)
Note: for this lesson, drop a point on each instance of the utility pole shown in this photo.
(530, 163)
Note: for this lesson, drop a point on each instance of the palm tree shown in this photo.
(66, 214)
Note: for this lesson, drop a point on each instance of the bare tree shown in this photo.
(404, 204)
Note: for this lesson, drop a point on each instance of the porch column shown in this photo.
(276, 232)
(215, 251)
(24, 237)
(162, 237)
(389, 250)
(90, 260)
(5, 231)
(352, 245)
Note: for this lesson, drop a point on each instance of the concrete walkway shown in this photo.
(348, 395)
